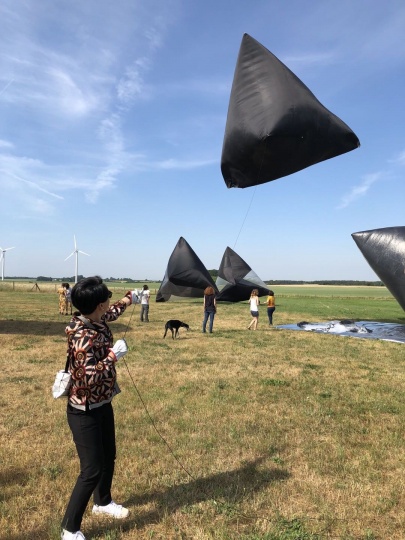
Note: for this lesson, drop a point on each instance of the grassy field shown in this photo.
(268, 435)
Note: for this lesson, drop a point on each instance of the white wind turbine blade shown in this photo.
(76, 253)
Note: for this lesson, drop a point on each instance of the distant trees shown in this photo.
(69, 279)
(214, 274)
(326, 282)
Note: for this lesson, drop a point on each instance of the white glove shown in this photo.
(120, 348)
(134, 296)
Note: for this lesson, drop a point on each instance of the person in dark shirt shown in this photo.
(210, 308)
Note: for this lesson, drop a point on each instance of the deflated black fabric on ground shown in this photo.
(185, 276)
(275, 124)
(360, 329)
(384, 250)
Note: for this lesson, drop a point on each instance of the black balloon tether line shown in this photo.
(253, 194)
(147, 411)
(246, 215)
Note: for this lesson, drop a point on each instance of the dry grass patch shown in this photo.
(286, 435)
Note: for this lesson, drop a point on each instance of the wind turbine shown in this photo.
(76, 252)
(3, 258)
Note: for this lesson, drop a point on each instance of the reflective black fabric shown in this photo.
(384, 250)
(236, 279)
(358, 329)
(275, 125)
(185, 276)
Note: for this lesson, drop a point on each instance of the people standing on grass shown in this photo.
(92, 359)
(210, 308)
(145, 297)
(271, 306)
(254, 309)
(68, 296)
(62, 299)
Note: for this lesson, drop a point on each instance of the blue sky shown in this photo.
(112, 117)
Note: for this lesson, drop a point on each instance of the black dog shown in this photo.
(174, 326)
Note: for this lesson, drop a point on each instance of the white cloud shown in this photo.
(75, 88)
(310, 59)
(399, 159)
(177, 164)
(35, 186)
(360, 190)
(6, 144)
(132, 84)
(22, 178)
(6, 86)
(68, 97)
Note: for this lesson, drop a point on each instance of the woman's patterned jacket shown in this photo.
(91, 362)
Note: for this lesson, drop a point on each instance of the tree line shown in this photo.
(214, 274)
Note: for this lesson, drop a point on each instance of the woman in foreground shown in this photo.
(92, 359)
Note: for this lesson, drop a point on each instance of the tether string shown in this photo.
(253, 194)
(241, 514)
(147, 411)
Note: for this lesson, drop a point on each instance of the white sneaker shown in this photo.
(66, 535)
(112, 509)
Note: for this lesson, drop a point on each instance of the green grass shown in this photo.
(272, 434)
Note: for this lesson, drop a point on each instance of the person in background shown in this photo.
(62, 299)
(210, 308)
(254, 309)
(145, 297)
(68, 297)
(92, 364)
(271, 306)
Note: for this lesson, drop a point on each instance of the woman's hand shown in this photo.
(120, 348)
(133, 296)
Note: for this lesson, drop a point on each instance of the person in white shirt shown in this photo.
(254, 309)
(145, 297)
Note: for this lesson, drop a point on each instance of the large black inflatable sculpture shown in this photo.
(185, 275)
(384, 250)
(275, 124)
(236, 279)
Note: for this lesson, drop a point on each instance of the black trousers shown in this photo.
(270, 311)
(94, 436)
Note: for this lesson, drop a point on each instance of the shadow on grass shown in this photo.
(225, 490)
(11, 477)
(45, 328)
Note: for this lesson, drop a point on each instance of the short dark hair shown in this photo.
(88, 293)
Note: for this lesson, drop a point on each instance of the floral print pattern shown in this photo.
(91, 362)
